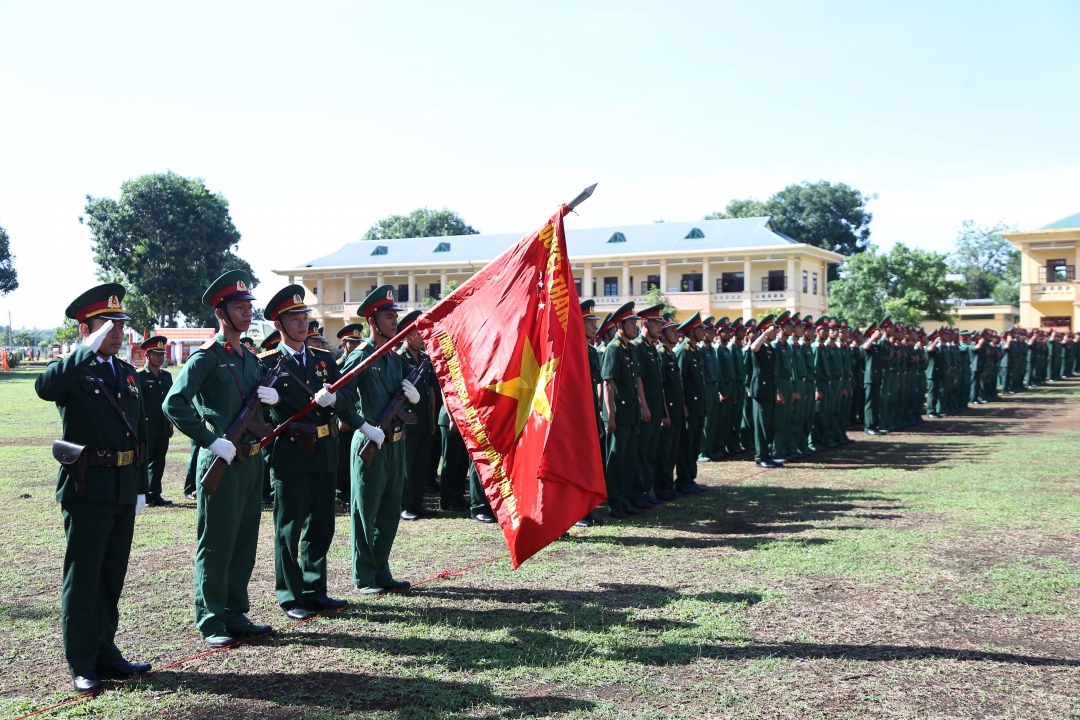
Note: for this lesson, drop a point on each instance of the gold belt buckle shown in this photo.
(255, 447)
(322, 431)
(398, 435)
(125, 458)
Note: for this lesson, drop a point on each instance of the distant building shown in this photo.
(982, 314)
(1048, 274)
(735, 267)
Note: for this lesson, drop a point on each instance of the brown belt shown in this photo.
(110, 458)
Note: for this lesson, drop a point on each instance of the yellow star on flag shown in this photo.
(530, 388)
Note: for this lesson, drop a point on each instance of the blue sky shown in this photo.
(317, 119)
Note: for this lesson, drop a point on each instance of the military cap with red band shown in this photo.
(737, 323)
(723, 324)
(381, 298)
(690, 323)
(102, 301)
(653, 312)
(288, 299)
(158, 343)
(352, 331)
(766, 322)
(271, 341)
(313, 329)
(605, 325)
(626, 312)
(233, 285)
(587, 310)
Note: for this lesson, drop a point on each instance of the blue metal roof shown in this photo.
(591, 242)
(1073, 221)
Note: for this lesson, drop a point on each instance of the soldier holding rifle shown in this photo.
(101, 486)
(207, 396)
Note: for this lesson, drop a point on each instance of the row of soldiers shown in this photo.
(669, 396)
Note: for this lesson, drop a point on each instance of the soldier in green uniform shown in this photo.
(100, 500)
(349, 338)
(784, 376)
(841, 346)
(823, 381)
(623, 412)
(794, 447)
(728, 389)
(304, 460)
(315, 337)
(269, 343)
(808, 403)
(746, 426)
(455, 469)
(710, 370)
(763, 393)
(207, 396)
(420, 436)
(590, 321)
(652, 384)
(693, 377)
(738, 331)
(377, 486)
(154, 384)
(667, 451)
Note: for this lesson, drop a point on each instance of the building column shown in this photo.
(319, 292)
(292, 279)
(794, 283)
(587, 282)
(706, 279)
(626, 290)
(348, 288)
(379, 279)
(663, 276)
(443, 282)
(412, 287)
(748, 291)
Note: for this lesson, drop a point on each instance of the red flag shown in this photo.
(508, 347)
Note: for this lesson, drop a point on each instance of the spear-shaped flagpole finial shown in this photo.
(582, 196)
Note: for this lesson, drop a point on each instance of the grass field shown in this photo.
(930, 573)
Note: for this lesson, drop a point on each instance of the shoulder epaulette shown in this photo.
(320, 350)
(268, 353)
(341, 360)
(616, 342)
(126, 364)
(208, 344)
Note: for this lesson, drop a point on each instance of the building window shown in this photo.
(593, 293)
(577, 286)
(731, 282)
(380, 250)
(433, 290)
(652, 282)
(804, 281)
(442, 247)
(403, 292)
(611, 286)
(691, 282)
(616, 238)
(694, 234)
(1058, 271)
(815, 283)
(775, 282)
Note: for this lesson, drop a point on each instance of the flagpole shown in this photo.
(582, 196)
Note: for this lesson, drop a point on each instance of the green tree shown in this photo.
(907, 283)
(9, 279)
(750, 207)
(23, 339)
(656, 296)
(68, 332)
(421, 222)
(987, 260)
(165, 240)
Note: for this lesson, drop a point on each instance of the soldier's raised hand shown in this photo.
(96, 338)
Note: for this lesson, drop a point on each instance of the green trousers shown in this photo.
(417, 461)
(734, 420)
(689, 450)
(764, 427)
(620, 464)
(478, 502)
(872, 410)
(190, 481)
(711, 429)
(95, 563)
(455, 470)
(303, 531)
(344, 468)
(157, 447)
(667, 454)
(819, 436)
(648, 441)
(782, 422)
(376, 510)
(227, 535)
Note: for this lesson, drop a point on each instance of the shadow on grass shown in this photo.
(354, 692)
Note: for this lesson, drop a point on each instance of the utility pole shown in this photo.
(9, 328)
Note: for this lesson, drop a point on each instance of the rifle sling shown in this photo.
(239, 385)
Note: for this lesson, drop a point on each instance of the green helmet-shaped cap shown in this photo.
(352, 331)
(381, 298)
(587, 310)
(410, 317)
(286, 300)
(233, 285)
(690, 323)
(102, 301)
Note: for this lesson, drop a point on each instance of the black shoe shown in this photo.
(688, 489)
(157, 501)
(632, 509)
(425, 513)
(617, 514)
(252, 630)
(396, 585)
(297, 613)
(121, 670)
(431, 490)
(667, 496)
(717, 458)
(87, 683)
(582, 523)
(458, 506)
(700, 488)
(409, 515)
(326, 603)
(189, 496)
(484, 518)
(767, 464)
(679, 494)
(220, 641)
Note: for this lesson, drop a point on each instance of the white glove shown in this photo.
(95, 339)
(374, 434)
(223, 449)
(267, 395)
(410, 392)
(324, 397)
(140, 503)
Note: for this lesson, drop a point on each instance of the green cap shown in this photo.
(352, 331)
(655, 312)
(158, 343)
(313, 329)
(286, 300)
(587, 310)
(102, 301)
(605, 325)
(690, 323)
(270, 341)
(626, 312)
(233, 285)
(409, 318)
(783, 317)
(381, 298)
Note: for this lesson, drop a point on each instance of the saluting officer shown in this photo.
(304, 460)
(420, 436)
(623, 411)
(101, 488)
(349, 338)
(763, 391)
(207, 396)
(377, 487)
(154, 384)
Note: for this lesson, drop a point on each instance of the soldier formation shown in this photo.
(667, 397)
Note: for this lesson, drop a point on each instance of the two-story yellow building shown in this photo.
(1048, 295)
(718, 267)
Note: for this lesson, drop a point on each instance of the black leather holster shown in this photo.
(74, 458)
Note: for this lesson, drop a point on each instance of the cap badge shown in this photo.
(240, 286)
(389, 294)
(113, 302)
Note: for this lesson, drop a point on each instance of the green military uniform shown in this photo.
(729, 385)
(269, 343)
(823, 375)
(351, 333)
(649, 365)
(873, 363)
(303, 464)
(762, 393)
(377, 486)
(455, 469)
(207, 396)
(693, 377)
(667, 451)
(793, 448)
(809, 375)
(710, 371)
(419, 437)
(784, 372)
(619, 366)
(99, 517)
(154, 387)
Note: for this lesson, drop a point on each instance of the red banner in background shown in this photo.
(508, 347)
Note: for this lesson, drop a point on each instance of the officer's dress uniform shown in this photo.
(419, 437)
(100, 522)
(693, 378)
(649, 432)
(763, 395)
(784, 371)
(154, 388)
(621, 368)
(305, 485)
(667, 451)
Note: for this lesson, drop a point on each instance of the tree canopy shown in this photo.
(750, 207)
(907, 283)
(9, 279)
(989, 263)
(421, 222)
(166, 239)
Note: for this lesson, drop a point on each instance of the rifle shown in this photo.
(391, 411)
(246, 421)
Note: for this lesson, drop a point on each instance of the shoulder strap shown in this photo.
(116, 407)
(298, 379)
(217, 349)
